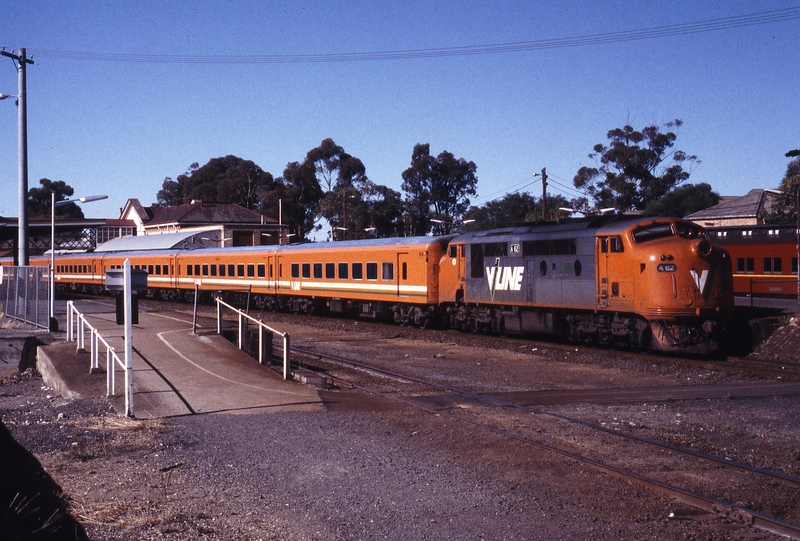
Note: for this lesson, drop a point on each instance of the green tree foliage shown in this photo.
(683, 200)
(39, 202)
(636, 167)
(228, 179)
(514, 209)
(783, 208)
(437, 188)
(298, 194)
(343, 179)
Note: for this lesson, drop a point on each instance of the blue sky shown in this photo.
(109, 125)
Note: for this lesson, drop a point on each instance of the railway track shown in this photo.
(481, 411)
(677, 471)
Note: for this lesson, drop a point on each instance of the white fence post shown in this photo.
(286, 356)
(70, 322)
(81, 335)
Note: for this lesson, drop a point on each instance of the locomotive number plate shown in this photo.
(667, 267)
(513, 249)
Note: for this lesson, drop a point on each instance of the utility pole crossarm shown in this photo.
(18, 57)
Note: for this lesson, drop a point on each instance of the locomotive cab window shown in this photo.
(652, 232)
(612, 244)
(486, 250)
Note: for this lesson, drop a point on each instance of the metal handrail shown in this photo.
(261, 328)
(74, 316)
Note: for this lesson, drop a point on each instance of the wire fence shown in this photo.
(25, 294)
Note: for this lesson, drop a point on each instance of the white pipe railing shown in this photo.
(74, 316)
(261, 328)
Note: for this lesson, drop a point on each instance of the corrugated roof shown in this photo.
(746, 206)
(166, 241)
(200, 212)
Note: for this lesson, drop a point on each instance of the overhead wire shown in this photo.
(710, 25)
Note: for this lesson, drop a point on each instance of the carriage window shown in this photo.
(372, 271)
(158, 269)
(405, 271)
(306, 270)
(794, 265)
(149, 269)
(343, 271)
(387, 270)
(222, 270)
(188, 270)
(317, 270)
(240, 270)
(271, 267)
(772, 265)
(330, 271)
(745, 265)
(251, 270)
(205, 270)
(231, 270)
(295, 270)
(358, 271)
(213, 270)
(262, 270)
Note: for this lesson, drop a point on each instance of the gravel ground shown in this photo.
(378, 470)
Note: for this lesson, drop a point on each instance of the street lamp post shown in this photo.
(53, 205)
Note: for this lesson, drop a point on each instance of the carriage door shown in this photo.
(174, 272)
(602, 250)
(271, 273)
(402, 279)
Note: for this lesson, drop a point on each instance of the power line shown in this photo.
(710, 25)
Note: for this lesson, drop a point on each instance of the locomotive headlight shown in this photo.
(667, 257)
(703, 247)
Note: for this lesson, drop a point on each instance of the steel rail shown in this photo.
(737, 513)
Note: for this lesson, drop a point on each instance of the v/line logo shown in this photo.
(504, 278)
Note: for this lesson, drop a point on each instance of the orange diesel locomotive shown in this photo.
(651, 283)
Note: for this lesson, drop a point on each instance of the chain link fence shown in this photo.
(25, 294)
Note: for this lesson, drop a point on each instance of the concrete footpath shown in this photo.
(176, 372)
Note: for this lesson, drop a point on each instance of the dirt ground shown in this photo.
(381, 470)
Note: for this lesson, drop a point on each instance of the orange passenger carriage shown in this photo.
(764, 260)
